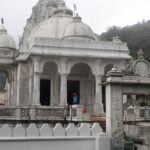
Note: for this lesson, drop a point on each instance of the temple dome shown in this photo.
(55, 26)
(6, 41)
(62, 24)
(78, 29)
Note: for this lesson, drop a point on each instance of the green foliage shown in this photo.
(136, 36)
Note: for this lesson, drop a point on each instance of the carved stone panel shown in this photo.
(114, 113)
(24, 84)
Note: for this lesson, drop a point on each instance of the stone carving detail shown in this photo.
(6, 53)
(50, 112)
(24, 112)
(7, 112)
(24, 84)
(140, 54)
(40, 113)
(36, 61)
(117, 118)
(141, 67)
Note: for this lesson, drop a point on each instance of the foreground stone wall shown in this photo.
(47, 137)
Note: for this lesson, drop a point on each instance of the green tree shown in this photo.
(136, 36)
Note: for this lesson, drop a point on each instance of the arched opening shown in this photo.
(81, 82)
(49, 80)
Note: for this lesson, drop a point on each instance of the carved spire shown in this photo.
(75, 8)
(40, 12)
(2, 23)
(62, 9)
(63, 3)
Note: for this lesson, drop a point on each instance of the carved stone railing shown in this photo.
(7, 112)
(33, 113)
(73, 113)
(52, 113)
(137, 114)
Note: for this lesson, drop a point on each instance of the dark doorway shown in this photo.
(104, 97)
(73, 87)
(45, 87)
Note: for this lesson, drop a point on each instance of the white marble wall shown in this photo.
(45, 137)
(45, 130)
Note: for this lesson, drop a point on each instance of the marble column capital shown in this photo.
(36, 58)
(97, 72)
(99, 61)
(30, 62)
(63, 74)
(98, 75)
(36, 64)
(37, 73)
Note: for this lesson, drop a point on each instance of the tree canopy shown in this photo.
(136, 36)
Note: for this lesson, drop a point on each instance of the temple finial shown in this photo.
(115, 31)
(2, 21)
(2, 24)
(75, 9)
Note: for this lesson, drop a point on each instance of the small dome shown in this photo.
(6, 41)
(78, 29)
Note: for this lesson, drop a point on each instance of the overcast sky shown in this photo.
(99, 14)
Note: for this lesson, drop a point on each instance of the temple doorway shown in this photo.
(73, 87)
(45, 92)
(82, 84)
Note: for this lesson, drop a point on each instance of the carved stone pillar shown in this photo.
(114, 109)
(63, 81)
(36, 81)
(30, 63)
(98, 105)
(12, 93)
(98, 71)
(63, 90)
(36, 90)
(22, 84)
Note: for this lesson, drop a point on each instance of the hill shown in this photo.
(136, 36)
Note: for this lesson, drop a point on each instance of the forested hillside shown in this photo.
(136, 36)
